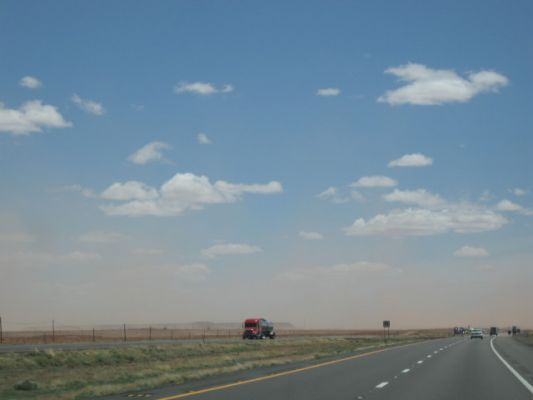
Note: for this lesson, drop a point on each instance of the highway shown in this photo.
(453, 368)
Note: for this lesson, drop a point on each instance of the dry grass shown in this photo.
(87, 373)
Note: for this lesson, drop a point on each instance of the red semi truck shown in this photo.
(258, 328)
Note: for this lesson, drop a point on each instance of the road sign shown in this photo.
(386, 324)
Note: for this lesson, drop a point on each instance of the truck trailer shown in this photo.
(258, 328)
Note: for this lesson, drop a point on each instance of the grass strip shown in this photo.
(78, 374)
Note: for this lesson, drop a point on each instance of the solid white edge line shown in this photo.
(513, 371)
(382, 385)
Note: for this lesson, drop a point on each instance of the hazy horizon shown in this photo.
(327, 164)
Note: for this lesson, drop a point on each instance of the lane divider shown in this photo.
(382, 385)
(513, 371)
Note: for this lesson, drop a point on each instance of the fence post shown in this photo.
(53, 331)
(125, 332)
(1, 332)
(150, 333)
(93, 336)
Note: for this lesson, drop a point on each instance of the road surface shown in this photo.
(453, 368)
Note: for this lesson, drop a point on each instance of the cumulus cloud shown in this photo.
(508, 205)
(131, 190)
(151, 152)
(31, 117)
(203, 138)
(374, 181)
(419, 197)
(202, 88)
(411, 160)
(310, 235)
(334, 271)
(328, 92)
(227, 249)
(459, 218)
(102, 237)
(332, 194)
(518, 192)
(89, 106)
(30, 82)
(470, 251)
(191, 272)
(184, 191)
(426, 86)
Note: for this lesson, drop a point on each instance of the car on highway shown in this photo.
(476, 333)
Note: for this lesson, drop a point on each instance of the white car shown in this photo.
(476, 334)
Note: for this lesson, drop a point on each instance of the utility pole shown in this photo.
(1, 332)
(125, 332)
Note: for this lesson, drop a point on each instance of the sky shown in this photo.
(329, 164)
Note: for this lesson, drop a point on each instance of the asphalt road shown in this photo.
(454, 368)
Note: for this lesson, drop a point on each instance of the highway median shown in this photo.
(77, 374)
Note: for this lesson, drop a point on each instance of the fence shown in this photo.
(126, 334)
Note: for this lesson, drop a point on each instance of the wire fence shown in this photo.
(124, 333)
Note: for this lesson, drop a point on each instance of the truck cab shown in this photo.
(258, 328)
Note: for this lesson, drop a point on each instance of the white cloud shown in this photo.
(459, 218)
(508, 205)
(331, 194)
(30, 82)
(89, 106)
(85, 192)
(374, 181)
(149, 153)
(31, 117)
(518, 192)
(203, 138)
(79, 257)
(486, 196)
(334, 271)
(426, 86)
(191, 272)
(131, 190)
(469, 251)
(411, 160)
(419, 197)
(202, 88)
(328, 92)
(310, 235)
(102, 237)
(182, 192)
(226, 249)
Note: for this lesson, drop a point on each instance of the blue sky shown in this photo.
(344, 158)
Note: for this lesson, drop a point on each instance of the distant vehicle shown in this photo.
(514, 330)
(258, 328)
(458, 330)
(493, 331)
(476, 333)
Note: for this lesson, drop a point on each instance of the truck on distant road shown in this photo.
(258, 328)
(493, 331)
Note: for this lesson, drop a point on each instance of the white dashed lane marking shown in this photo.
(382, 385)
(406, 371)
(419, 362)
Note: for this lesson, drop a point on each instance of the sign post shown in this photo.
(386, 325)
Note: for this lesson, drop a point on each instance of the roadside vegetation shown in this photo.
(78, 374)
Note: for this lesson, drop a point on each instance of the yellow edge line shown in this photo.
(278, 374)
